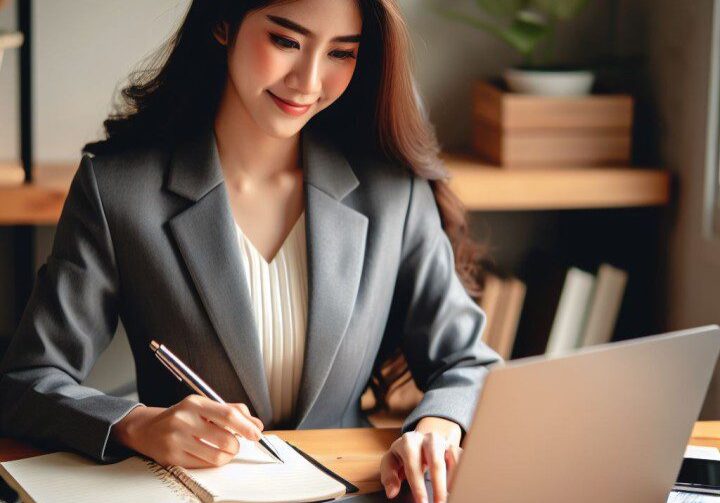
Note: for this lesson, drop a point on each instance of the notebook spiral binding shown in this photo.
(178, 481)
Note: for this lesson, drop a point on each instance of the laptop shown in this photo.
(603, 423)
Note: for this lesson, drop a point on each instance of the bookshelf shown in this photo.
(481, 187)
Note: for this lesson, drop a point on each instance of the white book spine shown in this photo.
(605, 305)
(571, 312)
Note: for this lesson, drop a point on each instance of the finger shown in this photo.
(452, 457)
(410, 451)
(190, 460)
(218, 437)
(390, 467)
(225, 416)
(191, 423)
(186, 460)
(246, 412)
(201, 449)
(433, 450)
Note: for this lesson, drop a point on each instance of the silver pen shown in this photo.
(183, 373)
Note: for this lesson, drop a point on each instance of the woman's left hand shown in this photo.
(434, 446)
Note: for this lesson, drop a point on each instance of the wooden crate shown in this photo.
(520, 130)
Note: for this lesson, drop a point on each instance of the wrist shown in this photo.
(124, 431)
(450, 430)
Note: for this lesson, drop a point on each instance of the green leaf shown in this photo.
(467, 19)
(502, 8)
(525, 35)
(561, 9)
(531, 16)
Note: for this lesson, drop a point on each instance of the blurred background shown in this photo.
(611, 234)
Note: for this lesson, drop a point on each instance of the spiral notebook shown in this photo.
(253, 476)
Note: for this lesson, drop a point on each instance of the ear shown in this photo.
(220, 32)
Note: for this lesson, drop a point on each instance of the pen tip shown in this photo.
(154, 346)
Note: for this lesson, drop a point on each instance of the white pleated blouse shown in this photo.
(278, 293)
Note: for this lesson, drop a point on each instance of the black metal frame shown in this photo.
(23, 235)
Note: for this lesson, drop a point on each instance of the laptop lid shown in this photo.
(605, 423)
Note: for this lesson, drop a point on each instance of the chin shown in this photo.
(284, 129)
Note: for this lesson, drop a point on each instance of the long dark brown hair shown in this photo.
(178, 91)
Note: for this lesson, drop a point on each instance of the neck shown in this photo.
(247, 152)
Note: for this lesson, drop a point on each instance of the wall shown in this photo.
(676, 39)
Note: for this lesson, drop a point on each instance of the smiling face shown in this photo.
(290, 60)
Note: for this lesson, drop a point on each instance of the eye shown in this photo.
(283, 42)
(343, 54)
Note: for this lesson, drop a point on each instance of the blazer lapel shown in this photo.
(206, 236)
(336, 237)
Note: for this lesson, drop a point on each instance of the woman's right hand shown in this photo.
(171, 436)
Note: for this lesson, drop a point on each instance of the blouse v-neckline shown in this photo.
(290, 236)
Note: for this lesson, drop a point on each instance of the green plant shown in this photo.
(522, 24)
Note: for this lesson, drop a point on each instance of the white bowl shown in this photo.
(549, 82)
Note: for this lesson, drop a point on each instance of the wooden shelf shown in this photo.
(480, 186)
(39, 202)
(489, 188)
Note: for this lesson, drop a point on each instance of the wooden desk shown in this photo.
(706, 433)
(352, 453)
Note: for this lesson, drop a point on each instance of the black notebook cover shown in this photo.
(349, 487)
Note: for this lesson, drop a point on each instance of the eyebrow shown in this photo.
(291, 25)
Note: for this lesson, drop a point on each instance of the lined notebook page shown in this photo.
(294, 480)
(65, 477)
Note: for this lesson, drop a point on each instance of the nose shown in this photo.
(305, 77)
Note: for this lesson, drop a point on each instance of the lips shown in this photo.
(290, 107)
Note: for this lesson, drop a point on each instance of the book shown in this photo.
(571, 312)
(490, 303)
(605, 305)
(509, 316)
(253, 476)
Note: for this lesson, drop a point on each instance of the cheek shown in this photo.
(337, 80)
(265, 64)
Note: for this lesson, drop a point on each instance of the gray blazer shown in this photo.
(147, 236)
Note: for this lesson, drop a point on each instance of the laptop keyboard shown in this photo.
(679, 497)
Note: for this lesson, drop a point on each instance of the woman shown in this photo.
(263, 207)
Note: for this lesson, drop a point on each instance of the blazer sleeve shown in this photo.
(439, 324)
(69, 320)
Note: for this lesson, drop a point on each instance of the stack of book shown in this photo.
(568, 308)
